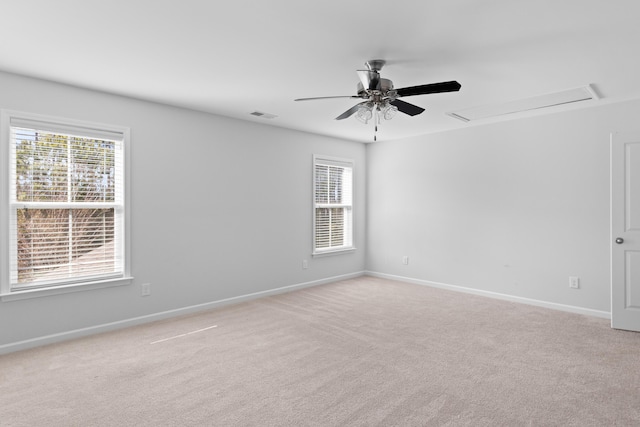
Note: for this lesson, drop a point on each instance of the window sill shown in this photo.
(64, 289)
(334, 252)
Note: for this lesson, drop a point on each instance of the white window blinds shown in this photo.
(333, 202)
(66, 202)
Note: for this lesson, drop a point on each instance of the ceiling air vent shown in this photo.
(584, 93)
(263, 115)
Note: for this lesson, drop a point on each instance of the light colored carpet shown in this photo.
(363, 352)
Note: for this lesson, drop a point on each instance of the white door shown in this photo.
(625, 231)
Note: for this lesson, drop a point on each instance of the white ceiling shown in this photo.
(235, 57)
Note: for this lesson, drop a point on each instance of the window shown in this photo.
(333, 205)
(66, 221)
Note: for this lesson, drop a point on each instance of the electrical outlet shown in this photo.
(574, 282)
(305, 264)
(145, 289)
(405, 260)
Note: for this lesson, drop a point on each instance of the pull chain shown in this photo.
(376, 120)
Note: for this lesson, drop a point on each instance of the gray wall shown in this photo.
(511, 208)
(220, 208)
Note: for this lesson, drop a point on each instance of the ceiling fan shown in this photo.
(381, 98)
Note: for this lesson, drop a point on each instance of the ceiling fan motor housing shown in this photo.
(383, 89)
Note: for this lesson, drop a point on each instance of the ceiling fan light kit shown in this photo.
(381, 98)
(377, 111)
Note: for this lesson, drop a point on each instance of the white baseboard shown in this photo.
(107, 327)
(506, 297)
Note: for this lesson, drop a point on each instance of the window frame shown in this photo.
(74, 284)
(349, 209)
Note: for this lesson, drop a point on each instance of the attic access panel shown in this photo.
(584, 93)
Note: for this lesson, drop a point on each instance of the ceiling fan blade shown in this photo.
(350, 111)
(370, 79)
(326, 97)
(451, 86)
(405, 107)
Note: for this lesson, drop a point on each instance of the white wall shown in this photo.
(220, 208)
(513, 208)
